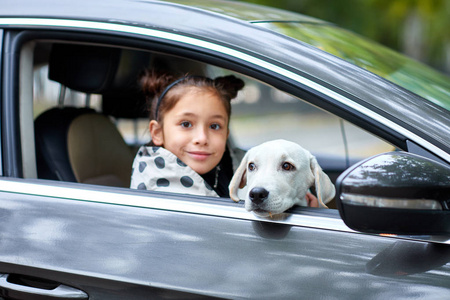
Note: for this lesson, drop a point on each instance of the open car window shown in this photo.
(259, 113)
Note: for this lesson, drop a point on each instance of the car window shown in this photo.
(259, 113)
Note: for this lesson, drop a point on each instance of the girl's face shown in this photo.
(195, 130)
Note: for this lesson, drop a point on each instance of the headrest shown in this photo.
(112, 72)
(87, 69)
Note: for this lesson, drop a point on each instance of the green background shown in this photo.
(418, 28)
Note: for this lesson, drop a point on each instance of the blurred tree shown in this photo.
(418, 28)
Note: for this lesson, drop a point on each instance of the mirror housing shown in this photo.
(396, 193)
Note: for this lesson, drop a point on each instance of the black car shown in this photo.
(377, 122)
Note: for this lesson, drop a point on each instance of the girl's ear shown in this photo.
(156, 133)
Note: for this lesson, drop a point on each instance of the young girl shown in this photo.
(188, 152)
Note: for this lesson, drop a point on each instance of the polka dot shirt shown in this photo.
(155, 168)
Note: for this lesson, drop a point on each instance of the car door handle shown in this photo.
(19, 287)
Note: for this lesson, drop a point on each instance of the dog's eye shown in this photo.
(287, 166)
(251, 166)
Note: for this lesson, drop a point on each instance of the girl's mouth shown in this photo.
(199, 155)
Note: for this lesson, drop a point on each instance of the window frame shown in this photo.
(13, 162)
(2, 96)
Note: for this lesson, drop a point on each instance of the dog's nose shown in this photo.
(258, 195)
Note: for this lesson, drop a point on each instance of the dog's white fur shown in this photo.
(286, 187)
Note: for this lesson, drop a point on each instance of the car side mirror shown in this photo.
(396, 193)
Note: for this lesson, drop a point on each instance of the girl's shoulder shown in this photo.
(156, 168)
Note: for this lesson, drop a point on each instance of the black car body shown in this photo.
(63, 238)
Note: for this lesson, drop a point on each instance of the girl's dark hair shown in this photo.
(154, 85)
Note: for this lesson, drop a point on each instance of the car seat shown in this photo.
(80, 144)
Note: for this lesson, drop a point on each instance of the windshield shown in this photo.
(391, 65)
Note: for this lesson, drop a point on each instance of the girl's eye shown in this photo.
(287, 166)
(186, 124)
(251, 166)
(215, 126)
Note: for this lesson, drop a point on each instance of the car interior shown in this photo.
(88, 116)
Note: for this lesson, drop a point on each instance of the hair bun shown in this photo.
(153, 83)
(230, 84)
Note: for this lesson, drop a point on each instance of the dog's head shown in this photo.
(278, 174)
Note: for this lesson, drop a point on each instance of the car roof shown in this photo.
(221, 24)
(85, 8)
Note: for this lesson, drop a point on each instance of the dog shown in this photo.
(278, 175)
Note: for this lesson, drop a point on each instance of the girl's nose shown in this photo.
(201, 136)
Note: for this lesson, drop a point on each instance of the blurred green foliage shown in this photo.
(417, 28)
(371, 56)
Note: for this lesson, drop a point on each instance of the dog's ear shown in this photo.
(324, 187)
(239, 179)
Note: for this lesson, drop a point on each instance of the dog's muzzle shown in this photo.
(258, 195)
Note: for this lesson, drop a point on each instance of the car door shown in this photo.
(117, 245)
(71, 240)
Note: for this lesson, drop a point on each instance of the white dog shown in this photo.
(278, 174)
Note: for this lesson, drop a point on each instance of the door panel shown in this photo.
(125, 251)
